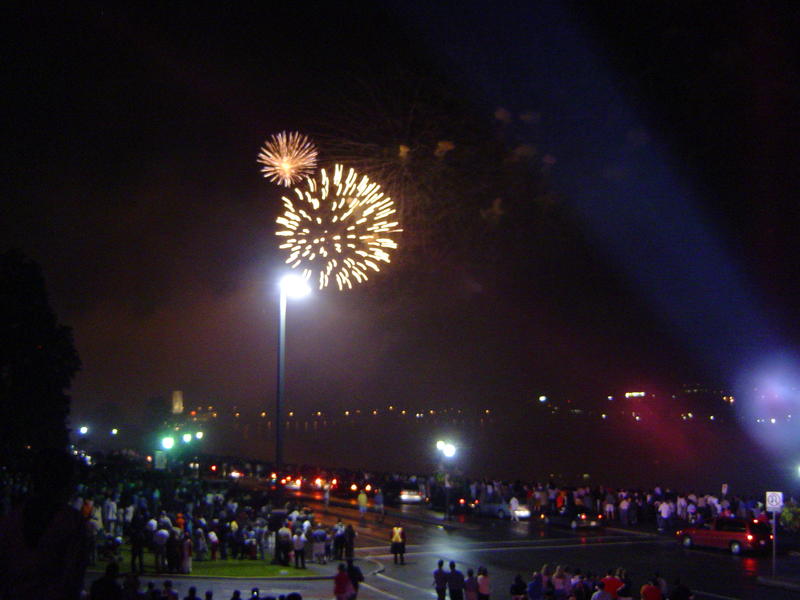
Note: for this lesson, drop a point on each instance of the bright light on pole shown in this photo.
(440, 445)
(187, 437)
(83, 430)
(114, 431)
(291, 286)
(294, 286)
(167, 442)
(449, 450)
(199, 435)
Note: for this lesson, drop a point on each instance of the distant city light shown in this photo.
(83, 430)
(440, 445)
(542, 398)
(635, 394)
(114, 431)
(167, 443)
(199, 435)
(772, 420)
(187, 437)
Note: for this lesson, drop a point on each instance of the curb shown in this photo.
(778, 582)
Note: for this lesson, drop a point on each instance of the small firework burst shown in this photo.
(338, 228)
(287, 158)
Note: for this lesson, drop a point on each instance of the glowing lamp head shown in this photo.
(84, 430)
(167, 443)
(187, 437)
(199, 435)
(449, 450)
(295, 286)
(440, 445)
(114, 431)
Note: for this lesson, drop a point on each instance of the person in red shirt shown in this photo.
(342, 586)
(611, 583)
(651, 591)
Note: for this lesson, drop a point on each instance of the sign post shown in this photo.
(774, 505)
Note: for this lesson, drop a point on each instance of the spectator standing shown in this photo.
(299, 543)
(379, 508)
(107, 587)
(356, 577)
(611, 584)
(484, 584)
(440, 581)
(349, 541)
(320, 536)
(601, 593)
(342, 587)
(186, 553)
(363, 503)
(470, 586)
(651, 591)
(680, 592)
(518, 589)
(535, 587)
(513, 506)
(455, 582)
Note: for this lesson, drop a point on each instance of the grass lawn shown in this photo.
(215, 568)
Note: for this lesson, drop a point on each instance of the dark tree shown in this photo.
(37, 363)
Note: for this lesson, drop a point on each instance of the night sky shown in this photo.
(659, 246)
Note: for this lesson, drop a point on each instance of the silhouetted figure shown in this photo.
(43, 542)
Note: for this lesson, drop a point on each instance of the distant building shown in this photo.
(177, 402)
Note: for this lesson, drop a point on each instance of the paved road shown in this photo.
(510, 548)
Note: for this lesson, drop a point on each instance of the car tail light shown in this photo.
(462, 501)
(772, 537)
(749, 537)
(599, 516)
(583, 517)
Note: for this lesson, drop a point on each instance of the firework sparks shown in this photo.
(338, 228)
(287, 158)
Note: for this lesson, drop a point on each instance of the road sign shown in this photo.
(774, 501)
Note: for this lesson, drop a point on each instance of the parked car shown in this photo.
(578, 517)
(736, 535)
(499, 508)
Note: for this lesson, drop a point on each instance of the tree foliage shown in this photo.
(790, 517)
(38, 361)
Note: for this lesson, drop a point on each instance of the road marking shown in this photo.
(530, 543)
(407, 585)
(710, 595)
(530, 547)
(380, 591)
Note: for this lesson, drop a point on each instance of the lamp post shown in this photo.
(448, 451)
(291, 286)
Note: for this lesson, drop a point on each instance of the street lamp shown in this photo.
(291, 286)
(448, 450)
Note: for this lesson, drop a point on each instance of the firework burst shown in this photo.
(338, 228)
(287, 158)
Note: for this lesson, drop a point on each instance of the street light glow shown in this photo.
(114, 431)
(187, 437)
(449, 450)
(295, 286)
(83, 430)
(199, 435)
(167, 443)
(440, 445)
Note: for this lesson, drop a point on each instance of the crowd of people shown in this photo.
(555, 583)
(184, 519)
